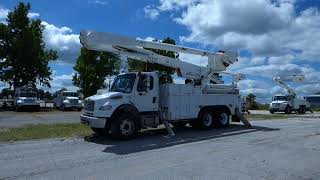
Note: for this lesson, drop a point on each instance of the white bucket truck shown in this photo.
(26, 97)
(68, 100)
(289, 102)
(138, 100)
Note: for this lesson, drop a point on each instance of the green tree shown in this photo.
(40, 93)
(139, 66)
(251, 101)
(6, 92)
(91, 68)
(23, 57)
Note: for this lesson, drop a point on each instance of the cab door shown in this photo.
(147, 93)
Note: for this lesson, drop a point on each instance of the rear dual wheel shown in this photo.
(212, 118)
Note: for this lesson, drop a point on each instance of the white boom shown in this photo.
(135, 49)
(292, 78)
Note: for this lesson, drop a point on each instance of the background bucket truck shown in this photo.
(289, 102)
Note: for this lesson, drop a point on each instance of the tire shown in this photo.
(100, 131)
(17, 109)
(79, 109)
(272, 112)
(302, 110)
(287, 110)
(62, 108)
(180, 124)
(223, 118)
(206, 120)
(124, 127)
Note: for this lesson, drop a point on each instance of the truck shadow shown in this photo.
(158, 139)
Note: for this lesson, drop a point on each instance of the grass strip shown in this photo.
(267, 116)
(42, 131)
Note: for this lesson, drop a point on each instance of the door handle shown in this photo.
(154, 99)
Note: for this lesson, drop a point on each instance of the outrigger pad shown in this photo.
(242, 118)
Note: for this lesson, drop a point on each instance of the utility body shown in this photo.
(289, 102)
(138, 100)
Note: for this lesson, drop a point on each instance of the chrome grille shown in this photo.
(29, 100)
(276, 104)
(74, 101)
(89, 105)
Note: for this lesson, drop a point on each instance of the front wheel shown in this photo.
(272, 112)
(288, 110)
(124, 127)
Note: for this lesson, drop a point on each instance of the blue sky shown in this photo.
(274, 37)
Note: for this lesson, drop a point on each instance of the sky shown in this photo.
(272, 37)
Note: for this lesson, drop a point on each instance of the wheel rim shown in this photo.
(224, 118)
(126, 127)
(207, 119)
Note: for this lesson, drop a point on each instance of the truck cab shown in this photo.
(68, 100)
(25, 98)
(136, 90)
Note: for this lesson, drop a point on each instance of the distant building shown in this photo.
(314, 100)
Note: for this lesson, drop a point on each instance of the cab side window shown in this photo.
(143, 83)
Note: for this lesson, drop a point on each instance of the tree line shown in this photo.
(24, 57)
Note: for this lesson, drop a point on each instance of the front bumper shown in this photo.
(29, 105)
(73, 106)
(277, 109)
(93, 121)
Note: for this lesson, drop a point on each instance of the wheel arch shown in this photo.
(126, 108)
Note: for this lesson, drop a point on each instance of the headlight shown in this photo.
(105, 107)
(66, 101)
(19, 101)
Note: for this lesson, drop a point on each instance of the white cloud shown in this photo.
(3, 13)
(279, 40)
(62, 40)
(32, 15)
(97, 2)
(151, 12)
(266, 28)
(60, 81)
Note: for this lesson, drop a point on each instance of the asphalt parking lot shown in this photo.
(271, 149)
(10, 119)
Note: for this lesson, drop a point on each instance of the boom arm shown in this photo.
(135, 49)
(293, 78)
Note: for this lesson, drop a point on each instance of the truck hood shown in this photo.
(27, 98)
(69, 98)
(279, 102)
(103, 96)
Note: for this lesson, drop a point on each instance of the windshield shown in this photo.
(70, 94)
(280, 98)
(28, 94)
(123, 83)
